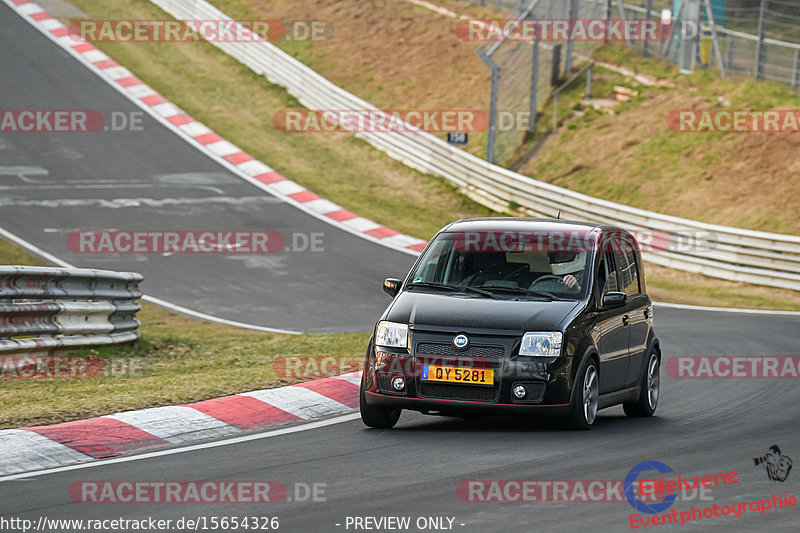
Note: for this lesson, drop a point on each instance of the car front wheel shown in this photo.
(649, 389)
(375, 416)
(586, 398)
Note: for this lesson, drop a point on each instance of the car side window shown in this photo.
(629, 271)
(607, 275)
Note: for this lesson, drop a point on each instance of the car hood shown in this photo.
(464, 312)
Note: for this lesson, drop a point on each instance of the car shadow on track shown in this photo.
(610, 422)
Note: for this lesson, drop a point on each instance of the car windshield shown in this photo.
(535, 265)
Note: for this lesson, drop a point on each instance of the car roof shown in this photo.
(524, 224)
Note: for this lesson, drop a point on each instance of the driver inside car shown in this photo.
(569, 266)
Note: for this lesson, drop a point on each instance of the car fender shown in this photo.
(652, 342)
(589, 353)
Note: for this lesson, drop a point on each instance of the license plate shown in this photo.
(451, 374)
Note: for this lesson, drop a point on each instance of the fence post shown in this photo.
(761, 50)
(688, 50)
(555, 72)
(796, 70)
(717, 53)
(607, 16)
(555, 113)
(589, 82)
(729, 46)
(492, 104)
(573, 14)
(648, 13)
(534, 94)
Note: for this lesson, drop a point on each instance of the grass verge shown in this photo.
(177, 360)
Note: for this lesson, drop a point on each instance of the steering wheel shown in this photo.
(548, 280)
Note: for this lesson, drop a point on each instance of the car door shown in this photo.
(609, 332)
(638, 308)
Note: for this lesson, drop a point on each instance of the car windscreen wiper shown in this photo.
(432, 285)
(482, 292)
(529, 292)
(452, 288)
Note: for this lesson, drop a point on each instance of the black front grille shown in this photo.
(448, 350)
(456, 392)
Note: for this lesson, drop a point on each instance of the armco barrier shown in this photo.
(728, 253)
(44, 309)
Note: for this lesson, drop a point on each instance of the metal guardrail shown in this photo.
(45, 309)
(719, 251)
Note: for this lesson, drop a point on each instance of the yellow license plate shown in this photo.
(450, 374)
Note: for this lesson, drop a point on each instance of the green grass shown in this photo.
(177, 360)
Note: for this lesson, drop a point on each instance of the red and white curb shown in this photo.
(229, 155)
(35, 448)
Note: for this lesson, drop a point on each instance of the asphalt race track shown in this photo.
(152, 180)
(702, 426)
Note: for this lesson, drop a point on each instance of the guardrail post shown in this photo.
(796, 71)
(761, 49)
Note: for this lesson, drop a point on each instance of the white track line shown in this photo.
(152, 299)
(195, 447)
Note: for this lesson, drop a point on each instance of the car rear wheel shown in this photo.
(375, 416)
(586, 398)
(649, 391)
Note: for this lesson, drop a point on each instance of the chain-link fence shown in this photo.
(525, 71)
(760, 38)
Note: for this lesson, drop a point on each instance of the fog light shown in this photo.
(398, 384)
(519, 392)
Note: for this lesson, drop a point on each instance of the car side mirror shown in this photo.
(391, 286)
(612, 300)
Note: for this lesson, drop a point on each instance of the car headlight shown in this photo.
(546, 344)
(391, 335)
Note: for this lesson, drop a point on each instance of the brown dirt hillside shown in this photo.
(396, 55)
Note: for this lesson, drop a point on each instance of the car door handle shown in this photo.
(626, 320)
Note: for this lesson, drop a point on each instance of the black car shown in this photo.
(516, 315)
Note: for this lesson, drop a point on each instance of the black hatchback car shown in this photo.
(516, 315)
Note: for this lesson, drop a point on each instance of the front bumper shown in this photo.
(548, 383)
(429, 405)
